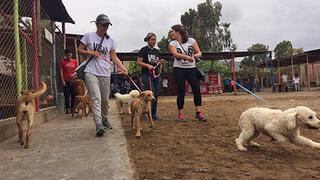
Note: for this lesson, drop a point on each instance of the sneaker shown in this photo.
(200, 117)
(181, 117)
(99, 130)
(106, 123)
(156, 118)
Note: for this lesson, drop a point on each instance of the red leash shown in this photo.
(154, 75)
(134, 84)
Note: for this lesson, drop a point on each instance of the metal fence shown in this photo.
(22, 65)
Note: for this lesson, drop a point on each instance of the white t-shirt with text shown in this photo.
(99, 66)
(185, 48)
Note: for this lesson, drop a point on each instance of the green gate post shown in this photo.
(17, 45)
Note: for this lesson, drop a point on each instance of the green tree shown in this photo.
(248, 64)
(204, 25)
(252, 61)
(283, 49)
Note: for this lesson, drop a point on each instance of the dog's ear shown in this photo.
(292, 120)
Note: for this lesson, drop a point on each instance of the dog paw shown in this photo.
(26, 146)
(242, 149)
(21, 143)
(138, 135)
(254, 144)
(151, 126)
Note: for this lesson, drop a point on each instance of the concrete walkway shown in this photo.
(67, 148)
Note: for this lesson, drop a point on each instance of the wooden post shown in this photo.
(234, 75)
(64, 35)
(307, 72)
(313, 73)
(292, 71)
(75, 49)
(279, 75)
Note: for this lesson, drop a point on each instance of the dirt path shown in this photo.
(195, 150)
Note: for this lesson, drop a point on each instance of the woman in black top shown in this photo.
(148, 58)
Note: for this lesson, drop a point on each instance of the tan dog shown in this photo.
(82, 103)
(26, 107)
(141, 106)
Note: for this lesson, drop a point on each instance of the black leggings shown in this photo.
(180, 76)
(68, 94)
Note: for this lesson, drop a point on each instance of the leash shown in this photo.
(134, 84)
(153, 73)
(247, 90)
(250, 92)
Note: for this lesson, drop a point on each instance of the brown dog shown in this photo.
(26, 107)
(82, 103)
(79, 87)
(141, 106)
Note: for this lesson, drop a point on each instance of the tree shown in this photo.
(283, 49)
(251, 62)
(204, 25)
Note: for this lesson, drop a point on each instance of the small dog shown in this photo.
(125, 99)
(82, 103)
(26, 107)
(141, 106)
(79, 87)
(277, 124)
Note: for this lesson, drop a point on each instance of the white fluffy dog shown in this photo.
(125, 99)
(277, 124)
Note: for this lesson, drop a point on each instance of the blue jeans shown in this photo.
(155, 89)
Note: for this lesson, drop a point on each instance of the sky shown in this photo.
(252, 21)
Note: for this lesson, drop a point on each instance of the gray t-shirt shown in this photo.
(188, 48)
(99, 66)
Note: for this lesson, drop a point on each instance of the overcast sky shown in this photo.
(252, 21)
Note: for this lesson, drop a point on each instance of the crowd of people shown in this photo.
(100, 50)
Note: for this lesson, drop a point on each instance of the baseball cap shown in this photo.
(102, 19)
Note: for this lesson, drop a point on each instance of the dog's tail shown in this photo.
(39, 92)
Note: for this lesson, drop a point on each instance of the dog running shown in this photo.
(25, 108)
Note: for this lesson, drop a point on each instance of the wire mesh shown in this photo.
(31, 71)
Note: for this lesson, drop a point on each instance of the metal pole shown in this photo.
(234, 75)
(17, 46)
(271, 72)
(54, 67)
(25, 64)
(35, 54)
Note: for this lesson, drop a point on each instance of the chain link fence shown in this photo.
(22, 66)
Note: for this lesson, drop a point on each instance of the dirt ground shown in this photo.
(197, 150)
